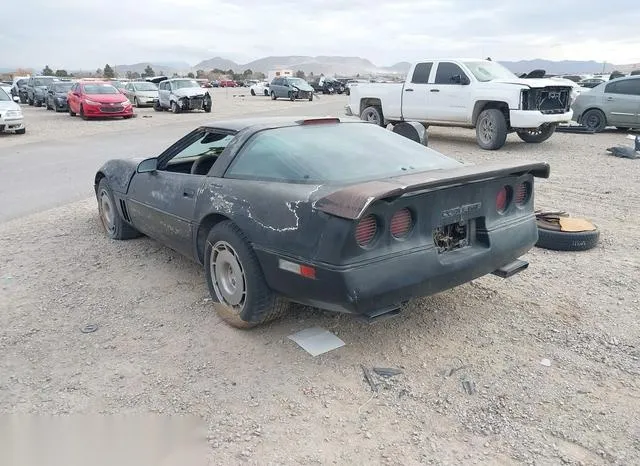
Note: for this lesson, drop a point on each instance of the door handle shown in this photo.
(435, 90)
(408, 90)
(188, 193)
(609, 98)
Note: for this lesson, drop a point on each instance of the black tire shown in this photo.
(259, 304)
(174, 107)
(266, 93)
(37, 103)
(253, 93)
(29, 101)
(136, 103)
(373, 114)
(157, 107)
(491, 129)
(23, 99)
(536, 136)
(70, 112)
(622, 128)
(207, 105)
(292, 96)
(21, 131)
(114, 225)
(273, 95)
(311, 97)
(594, 119)
(567, 240)
(81, 113)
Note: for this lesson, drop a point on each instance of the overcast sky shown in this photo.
(87, 34)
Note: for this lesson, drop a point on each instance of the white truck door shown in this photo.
(416, 96)
(450, 96)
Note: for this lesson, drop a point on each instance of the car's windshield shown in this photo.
(489, 70)
(63, 87)
(3, 96)
(145, 86)
(296, 81)
(42, 81)
(184, 83)
(100, 89)
(335, 152)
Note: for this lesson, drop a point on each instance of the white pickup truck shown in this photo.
(469, 93)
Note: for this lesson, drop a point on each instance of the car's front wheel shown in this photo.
(537, 135)
(113, 223)
(236, 281)
(136, 103)
(273, 95)
(594, 120)
(491, 129)
(174, 107)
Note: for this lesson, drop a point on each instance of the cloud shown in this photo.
(70, 34)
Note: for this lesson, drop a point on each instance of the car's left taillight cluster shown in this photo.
(368, 228)
(518, 195)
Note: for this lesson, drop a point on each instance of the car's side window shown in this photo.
(209, 143)
(446, 72)
(262, 159)
(625, 86)
(421, 73)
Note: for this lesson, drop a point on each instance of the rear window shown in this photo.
(332, 153)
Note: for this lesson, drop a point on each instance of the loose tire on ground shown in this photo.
(551, 236)
(595, 120)
(236, 281)
(536, 136)
(113, 223)
(373, 114)
(491, 129)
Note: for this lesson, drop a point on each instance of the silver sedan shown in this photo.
(141, 93)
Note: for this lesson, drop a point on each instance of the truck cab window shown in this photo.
(421, 73)
(446, 72)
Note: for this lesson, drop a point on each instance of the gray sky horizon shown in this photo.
(74, 34)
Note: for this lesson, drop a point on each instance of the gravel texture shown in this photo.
(542, 368)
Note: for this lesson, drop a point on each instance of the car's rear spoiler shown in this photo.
(352, 201)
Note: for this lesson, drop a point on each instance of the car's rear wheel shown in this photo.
(537, 135)
(372, 114)
(113, 223)
(253, 93)
(266, 93)
(491, 129)
(594, 120)
(236, 281)
(273, 95)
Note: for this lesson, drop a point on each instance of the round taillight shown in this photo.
(502, 199)
(522, 194)
(401, 223)
(366, 230)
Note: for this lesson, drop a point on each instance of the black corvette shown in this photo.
(340, 215)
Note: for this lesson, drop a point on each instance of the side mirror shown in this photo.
(460, 79)
(148, 165)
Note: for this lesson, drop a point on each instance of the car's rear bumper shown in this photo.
(533, 119)
(384, 284)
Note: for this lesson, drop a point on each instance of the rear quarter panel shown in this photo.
(389, 95)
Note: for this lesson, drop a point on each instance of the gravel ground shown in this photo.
(160, 348)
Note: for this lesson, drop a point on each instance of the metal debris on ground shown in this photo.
(387, 371)
(578, 129)
(369, 378)
(469, 387)
(316, 340)
(90, 328)
(627, 152)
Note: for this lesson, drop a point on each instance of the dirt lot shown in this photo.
(160, 348)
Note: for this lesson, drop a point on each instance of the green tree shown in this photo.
(229, 72)
(148, 72)
(99, 71)
(218, 71)
(108, 72)
(62, 73)
(300, 74)
(47, 71)
(259, 75)
(247, 73)
(200, 74)
(190, 75)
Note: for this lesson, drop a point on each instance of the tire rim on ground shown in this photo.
(107, 214)
(487, 129)
(228, 277)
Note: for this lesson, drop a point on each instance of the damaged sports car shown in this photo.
(341, 215)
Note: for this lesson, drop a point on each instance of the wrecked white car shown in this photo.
(181, 95)
(10, 115)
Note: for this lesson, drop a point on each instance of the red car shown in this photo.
(228, 83)
(98, 99)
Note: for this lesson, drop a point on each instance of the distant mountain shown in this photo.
(557, 67)
(401, 67)
(217, 63)
(167, 68)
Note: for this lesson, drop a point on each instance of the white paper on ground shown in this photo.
(316, 340)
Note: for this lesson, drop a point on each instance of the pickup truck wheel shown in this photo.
(236, 280)
(594, 120)
(537, 135)
(491, 129)
(372, 115)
